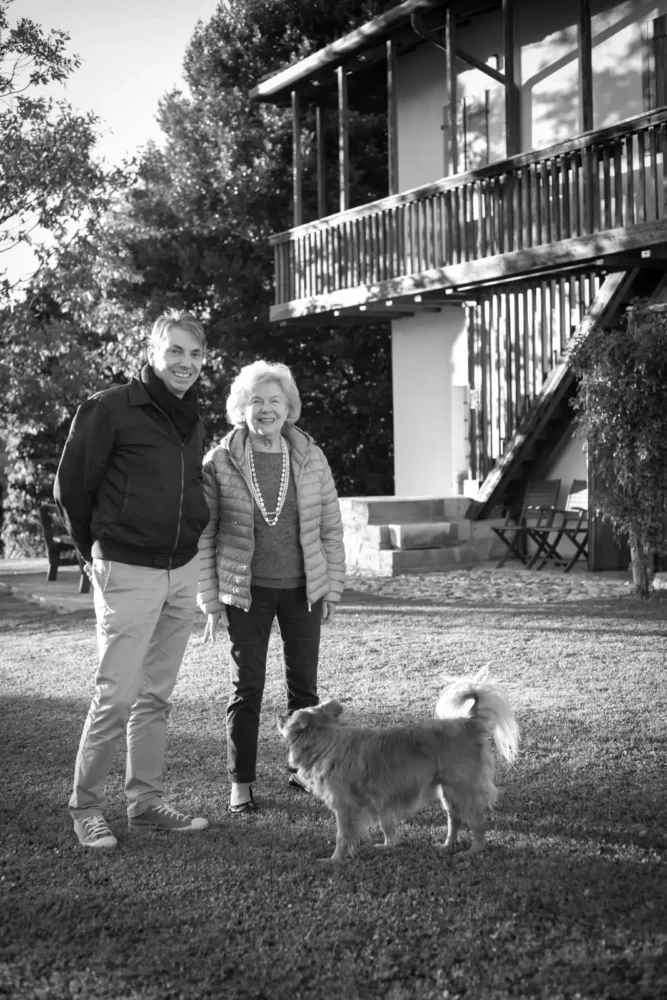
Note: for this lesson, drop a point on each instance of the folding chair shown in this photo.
(539, 504)
(570, 524)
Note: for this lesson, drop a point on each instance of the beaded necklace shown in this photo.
(271, 517)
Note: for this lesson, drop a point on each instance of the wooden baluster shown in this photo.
(606, 206)
(618, 184)
(527, 345)
(641, 177)
(575, 174)
(434, 249)
(556, 198)
(478, 190)
(663, 191)
(448, 213)
(536, 206)
(565, 179)
(563, 318)
(519, 358)
(498, 220)
(655, 183)
(545, 202)
(587, 189)
(630, 207)
(508, 236)
(526, 207)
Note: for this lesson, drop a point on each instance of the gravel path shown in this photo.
(508, 585)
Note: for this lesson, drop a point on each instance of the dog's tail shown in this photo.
(487, 702)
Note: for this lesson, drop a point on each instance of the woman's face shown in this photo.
(267, 410)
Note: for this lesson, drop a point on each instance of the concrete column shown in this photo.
(429, 361)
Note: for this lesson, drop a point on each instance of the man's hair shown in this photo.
(176, 317)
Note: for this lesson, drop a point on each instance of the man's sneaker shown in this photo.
(93, 831)
(165, 818)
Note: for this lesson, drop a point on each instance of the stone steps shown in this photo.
(389, 536)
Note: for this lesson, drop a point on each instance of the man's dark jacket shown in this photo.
(127, 487)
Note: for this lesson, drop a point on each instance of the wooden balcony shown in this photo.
(600, 194)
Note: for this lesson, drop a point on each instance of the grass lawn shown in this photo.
(569, 900)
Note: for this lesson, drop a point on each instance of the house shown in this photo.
(526, 201)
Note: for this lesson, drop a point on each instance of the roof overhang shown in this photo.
(276, 87)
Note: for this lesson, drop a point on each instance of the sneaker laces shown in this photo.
(169, 813)
(96, 826)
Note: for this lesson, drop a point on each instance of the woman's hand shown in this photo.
(328, 610)
(212, 622)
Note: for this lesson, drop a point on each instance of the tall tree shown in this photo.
(199, 222)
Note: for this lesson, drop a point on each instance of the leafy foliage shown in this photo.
(621, 403)
(51, 184)
(188, 229)
(199, 219)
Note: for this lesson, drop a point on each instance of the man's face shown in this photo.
(177, 360)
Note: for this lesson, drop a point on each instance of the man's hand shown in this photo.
(328, 610)
(212, 622)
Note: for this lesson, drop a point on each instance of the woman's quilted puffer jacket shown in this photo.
(227, 544)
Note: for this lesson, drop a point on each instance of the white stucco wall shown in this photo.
(430, 372)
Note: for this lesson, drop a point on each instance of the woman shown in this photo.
(273, 548)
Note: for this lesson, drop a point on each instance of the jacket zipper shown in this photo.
(180, 504)
(180, 499)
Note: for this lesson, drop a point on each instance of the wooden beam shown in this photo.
(392, 120)
(320, 127)
(343, 142)
(512, 92)
(575, 250)
(452, 89)
(297, 163)
(585, 66)
(341, 50)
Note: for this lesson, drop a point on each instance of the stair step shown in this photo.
(360, 511)
(424, 535)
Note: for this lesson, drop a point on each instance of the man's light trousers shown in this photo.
(144, 618)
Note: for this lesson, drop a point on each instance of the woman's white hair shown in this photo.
(247, 381)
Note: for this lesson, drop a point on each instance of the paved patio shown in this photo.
(26, 579)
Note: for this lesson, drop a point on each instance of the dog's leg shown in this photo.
(453, 820)
(388, 827)
(349, 834)
(475, 819)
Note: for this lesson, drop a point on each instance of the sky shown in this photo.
(131, 54)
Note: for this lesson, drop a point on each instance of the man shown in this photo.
(129, 488)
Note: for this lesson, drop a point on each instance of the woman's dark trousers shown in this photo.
(249, 632)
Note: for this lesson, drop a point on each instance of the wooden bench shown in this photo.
(59, 544)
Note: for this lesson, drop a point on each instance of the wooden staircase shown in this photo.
(551, 414)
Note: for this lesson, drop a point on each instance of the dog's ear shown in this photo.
(299, 720)
(332, 708)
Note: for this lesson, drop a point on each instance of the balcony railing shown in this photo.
(605, 181)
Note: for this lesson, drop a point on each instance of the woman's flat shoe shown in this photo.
(244, 807)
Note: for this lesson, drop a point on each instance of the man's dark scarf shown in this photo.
(183, 412)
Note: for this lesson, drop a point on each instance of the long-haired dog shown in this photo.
(367, 776)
